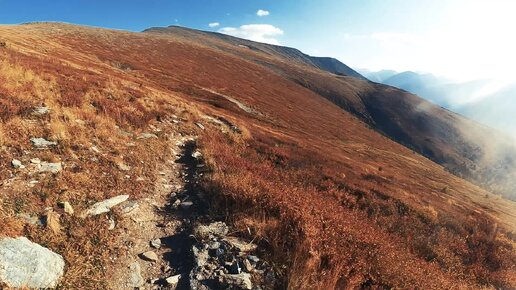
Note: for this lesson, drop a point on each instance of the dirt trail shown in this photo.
(165, 216)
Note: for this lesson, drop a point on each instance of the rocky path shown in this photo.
(171, 241)
(156, 245)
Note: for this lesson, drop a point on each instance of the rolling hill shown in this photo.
(340, 182)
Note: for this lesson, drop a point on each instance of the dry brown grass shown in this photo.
(304, 176)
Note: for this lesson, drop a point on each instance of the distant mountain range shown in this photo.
(476, 99)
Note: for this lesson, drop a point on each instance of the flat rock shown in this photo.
(33, 220)
(104, 206)
(124, 167)
(129, 206)
(135, 275)
(214, 229)
(147, 136)
(241, 245)
(42, 143)
(17, 164)
(173, 280)
(186, 204)
(197, 154)
(239, 281)
(41, 111)
(156, 243)
(50, 167)
(27, 264)
(35, 161)
(149, 256)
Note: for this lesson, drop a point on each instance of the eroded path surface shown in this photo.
(155, 238)
(171, 241)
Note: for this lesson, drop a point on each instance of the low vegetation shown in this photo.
(333, 203)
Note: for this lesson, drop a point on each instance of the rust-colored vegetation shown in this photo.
(336, 204)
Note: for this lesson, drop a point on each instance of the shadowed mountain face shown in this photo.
(494, 108)
(318, 166)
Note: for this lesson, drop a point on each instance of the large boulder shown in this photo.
(24, 264)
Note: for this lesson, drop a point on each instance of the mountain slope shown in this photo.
(297, 160)
(328, 64)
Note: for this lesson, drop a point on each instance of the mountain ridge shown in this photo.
(299, 161)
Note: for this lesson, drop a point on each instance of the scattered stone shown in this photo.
(253, 259)
(28, 265)
(135, 275)
(239, 281)
(241, 245)
(124, 167)
(147, 136)
(68, 209)
(213, 245)
(206, 232)
(149, 256)
(173, 280)
(197, 154)
(176, 203)
(104, 206)
(30, 219)
(156, 243)
(186, 205)
(129, 206)
(35, 161)
(50, 167)
(17, 164)
(95, 149)
(200, 125)
(41, 143)
(39, 111)
(112, 224)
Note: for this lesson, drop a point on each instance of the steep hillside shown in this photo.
(328, 64)
(295, 159)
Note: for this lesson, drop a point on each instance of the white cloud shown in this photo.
(262, 13)
(257, 32)
(214, 24)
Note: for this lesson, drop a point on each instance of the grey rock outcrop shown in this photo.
(50, 167)
(27, 264)
(42, 143)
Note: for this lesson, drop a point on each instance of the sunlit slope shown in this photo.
(311, 174)
(467, 149)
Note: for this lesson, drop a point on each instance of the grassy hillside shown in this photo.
(308, 174)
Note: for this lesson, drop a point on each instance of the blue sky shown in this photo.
(461, 39)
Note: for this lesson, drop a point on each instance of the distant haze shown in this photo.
(483, 100)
